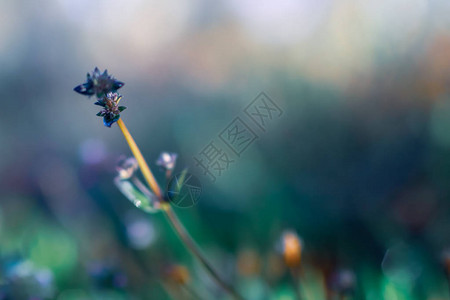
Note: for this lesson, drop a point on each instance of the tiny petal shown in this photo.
(84, 89)
(80, 89)
(117, 85)
(167, 160)
(108, 120)
(127, 168)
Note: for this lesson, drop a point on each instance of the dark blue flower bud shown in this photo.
(110, 119)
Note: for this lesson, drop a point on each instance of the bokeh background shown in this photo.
(358, 164)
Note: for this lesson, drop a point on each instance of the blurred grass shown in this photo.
(358, 164)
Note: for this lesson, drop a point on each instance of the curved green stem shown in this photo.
(195, 250)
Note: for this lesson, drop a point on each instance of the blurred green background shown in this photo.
(358, 164)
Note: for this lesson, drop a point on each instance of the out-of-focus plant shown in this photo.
(23, 278)
(150, 199)
(178, 277)
(291, 247)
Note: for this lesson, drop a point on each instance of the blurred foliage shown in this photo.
(358, 165)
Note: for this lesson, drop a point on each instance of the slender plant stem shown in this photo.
(195, 250)
(170, 214)
(148, 175)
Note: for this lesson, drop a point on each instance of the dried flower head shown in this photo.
(99, 84)
(111, 109)
(292, 249)
(167, 160)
